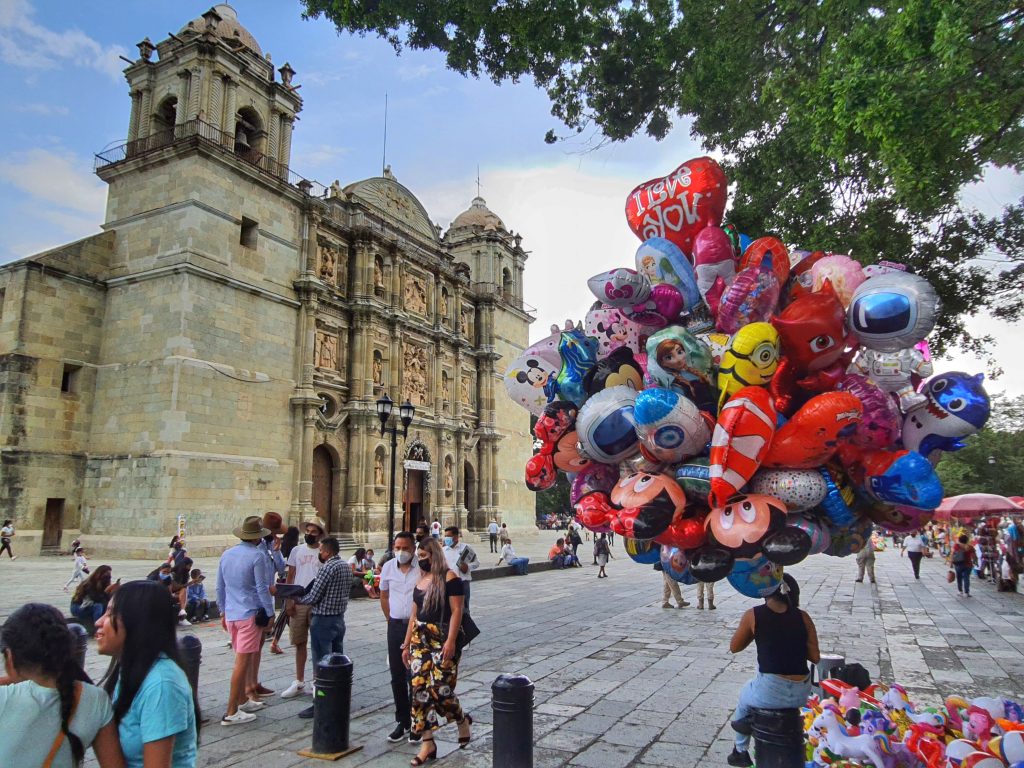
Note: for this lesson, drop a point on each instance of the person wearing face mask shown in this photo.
(303, 566)
(422, 531)
(461, 558)
(398, 577)
(328, 595)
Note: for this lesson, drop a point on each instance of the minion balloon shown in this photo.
(750, 360)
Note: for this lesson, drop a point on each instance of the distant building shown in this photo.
(218, 350)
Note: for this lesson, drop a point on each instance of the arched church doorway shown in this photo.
(323, 485)
(416, 494)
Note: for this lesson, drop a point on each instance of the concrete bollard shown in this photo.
(332, 700)
(512, 737)
(190, 650)
(80, 642)
(778, 738)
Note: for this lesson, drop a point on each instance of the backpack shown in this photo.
(959, 556)
(852, 674)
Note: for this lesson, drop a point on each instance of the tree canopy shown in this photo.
(993, 460)
(846, 126)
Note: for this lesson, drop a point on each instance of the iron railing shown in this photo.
(200, 132)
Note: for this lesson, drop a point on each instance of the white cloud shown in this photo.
(56, 178)
(409, 72)
(26, 43)
(318, 157)
(47, 110)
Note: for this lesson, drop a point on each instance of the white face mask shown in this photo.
(404, 557)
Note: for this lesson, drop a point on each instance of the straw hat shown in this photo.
(274, 522)
(318, 523)
(251, 529)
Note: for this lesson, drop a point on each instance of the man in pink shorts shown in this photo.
(244, 577)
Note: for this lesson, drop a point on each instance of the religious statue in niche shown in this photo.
(378, 273)
(415, 373)
(444, 305)
(449, 480)
(467, 321)
(326, 350)
(446, 392)
(378, 468)
(415, 296)
(378, 369)
(328, 261)
(466, 399)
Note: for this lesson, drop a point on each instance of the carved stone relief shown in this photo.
(443, 309)
(446, 389)
(328, 262)
(449, 480)
(378, 468)
(378, 368)
(415, 296)
(466, 321)
(414, 373)
(466, 394)
(378, 274)
(326, 350)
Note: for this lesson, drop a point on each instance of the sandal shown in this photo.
(464, 740)
(423, 760)
(275, 648)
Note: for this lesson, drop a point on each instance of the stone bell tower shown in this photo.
(212, 79)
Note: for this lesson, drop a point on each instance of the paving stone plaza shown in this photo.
(620, 681)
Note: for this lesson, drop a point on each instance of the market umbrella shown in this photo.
(967, 506)
(1017, 500)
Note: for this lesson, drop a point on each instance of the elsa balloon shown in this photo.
(662, 261)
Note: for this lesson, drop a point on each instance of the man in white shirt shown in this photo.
(303, 566)
(460, 558)
(398, 577)
(492, 533)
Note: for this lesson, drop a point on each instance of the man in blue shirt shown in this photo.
(244, 578)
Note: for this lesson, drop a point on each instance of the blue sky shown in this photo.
(67, 100)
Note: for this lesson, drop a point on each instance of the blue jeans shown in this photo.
(519, 564)
(769, 692)
(326, 635)
(963, 578)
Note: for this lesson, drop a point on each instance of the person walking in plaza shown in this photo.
(671, 589)
(50, 713)
(431, 651)
(492, 534)
(90, 599)
(81, 568)
(866, 562)
(503, 534)
(328, 595)
(244, 579)
(602, 551)
(435, 529)
(786, 639)
(518, 564)
(575, 540)
(6, 534)
(461, 558)
(303, 566)
(707, 588)
(398, 579)
(915, 547)
(962, 558)
(155, 708)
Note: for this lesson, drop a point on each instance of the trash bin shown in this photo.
(778, 738)
(332, 696)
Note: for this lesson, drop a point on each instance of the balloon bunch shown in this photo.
(881, 727)
(731, 407)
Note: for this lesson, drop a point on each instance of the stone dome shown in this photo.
(479, 215)
(228, 27)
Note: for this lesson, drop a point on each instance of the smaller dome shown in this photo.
(228, 27)
(479, 215)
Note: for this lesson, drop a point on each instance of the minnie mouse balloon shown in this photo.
(679, 205)
(612, 329)
(620, 287)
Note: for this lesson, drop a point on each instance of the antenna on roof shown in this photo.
(478, 179)
(384, 158)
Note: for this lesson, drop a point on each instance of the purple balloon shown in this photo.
(593, 477)
(751, 298)
(881, 424)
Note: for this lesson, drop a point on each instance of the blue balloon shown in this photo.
(745, 241)
(910, 480)
(834, 505)
(675, 563)
(579, 354)
(755, 578)
(664, 262)
(643, 551)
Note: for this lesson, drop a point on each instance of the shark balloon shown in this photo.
(956, 405)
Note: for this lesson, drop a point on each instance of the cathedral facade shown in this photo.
(218, 350)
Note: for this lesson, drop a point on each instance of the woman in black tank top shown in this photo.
(786, 640)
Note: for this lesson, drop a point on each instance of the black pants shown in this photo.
(400, 677)
(494, 542)
(915, 562)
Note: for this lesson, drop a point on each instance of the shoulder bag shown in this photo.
(467, 632)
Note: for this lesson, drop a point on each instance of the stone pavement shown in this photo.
(621, 681)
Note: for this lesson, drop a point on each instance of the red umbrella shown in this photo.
(1017, 500)
(970, 505)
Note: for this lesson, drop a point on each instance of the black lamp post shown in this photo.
(406, 411)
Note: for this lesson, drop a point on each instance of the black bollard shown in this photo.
(81, 642)
(512, 737)
(332, 699)
(778, 738)
(190, 649)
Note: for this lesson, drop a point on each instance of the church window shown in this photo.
(69, 378)
(249, 232)
(248, 134)
(164, 119)
(506, 284)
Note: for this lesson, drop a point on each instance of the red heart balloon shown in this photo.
(679, 205)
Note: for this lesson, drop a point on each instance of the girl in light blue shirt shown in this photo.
(47, 706)
(154, 707)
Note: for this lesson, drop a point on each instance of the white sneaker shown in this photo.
(184, 623)
(295, 689)
(252, 705)
(237, 719)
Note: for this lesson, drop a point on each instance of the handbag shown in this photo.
(468, 632)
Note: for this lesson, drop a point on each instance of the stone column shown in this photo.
(145, 113)
(133, 121)
(195, 77)
(215, 116)
(181, 107)
(285, 155)
(273, 134)
(354, 495)
(230, 108)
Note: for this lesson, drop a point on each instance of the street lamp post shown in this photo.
(406, 412)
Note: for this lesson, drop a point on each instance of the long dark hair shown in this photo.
(289, 541)
(95, 585)
(149, 620)
(38, 638)
(180, 572)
